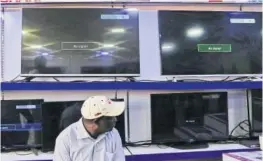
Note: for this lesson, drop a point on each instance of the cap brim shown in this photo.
(117, 108)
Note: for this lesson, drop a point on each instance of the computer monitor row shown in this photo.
(176, 117)
(36, 124)
(83, 41)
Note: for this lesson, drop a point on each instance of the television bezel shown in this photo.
(184, 142)
(41, 101)
(45, 144)
(253, 131)
(86, 75)
(199, 75)
(80, 75)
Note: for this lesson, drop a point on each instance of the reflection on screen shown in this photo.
(21, 123)
(80, 41)
(196, 43)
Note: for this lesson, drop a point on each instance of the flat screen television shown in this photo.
(21, 124)
(183, 118)
(80, 41)
(59, 115)
(210, 43)
(256, 113)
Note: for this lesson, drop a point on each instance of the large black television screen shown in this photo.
(208, 43)
(189, 117)
(80, 41)
(256, 96)
(21, 124)
(56, 117)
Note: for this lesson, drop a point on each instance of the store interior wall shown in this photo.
(139, 101)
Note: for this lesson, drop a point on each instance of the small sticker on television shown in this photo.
(211, 96)
(114, 17)
(242, 20)
(20, 107)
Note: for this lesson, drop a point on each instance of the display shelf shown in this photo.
(152, 153)
(13, 86)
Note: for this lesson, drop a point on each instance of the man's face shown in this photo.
(106, 124)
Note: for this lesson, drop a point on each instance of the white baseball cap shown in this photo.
(98, 106)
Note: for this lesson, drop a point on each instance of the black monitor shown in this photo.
(256, 113)
(59, 115)
(80, 41)
(56, 117)
(210, 43)
(21, 124)
(189, 117)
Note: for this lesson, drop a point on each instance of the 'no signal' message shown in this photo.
(75, 46)
(225, 48)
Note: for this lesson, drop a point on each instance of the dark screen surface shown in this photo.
(207, 43)
(59, 115)
(21, 123)
(56, 117)
(189, 117)
(80, 41)
(256, 110)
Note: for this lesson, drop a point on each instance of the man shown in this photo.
(93, 137)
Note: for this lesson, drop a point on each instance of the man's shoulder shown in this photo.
(114, 138)
(115, 131)
(113, 134)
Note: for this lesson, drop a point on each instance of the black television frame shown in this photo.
(46, 144)
(197, 75)
(25, 147)
(137, 74)
(185, 144)
(253, 132)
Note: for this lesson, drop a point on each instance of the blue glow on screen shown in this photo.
(21, 127)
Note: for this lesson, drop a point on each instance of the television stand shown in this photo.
(29, 79)
(35, 151)
(252, 143)
(131, 79)
(191, 146)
